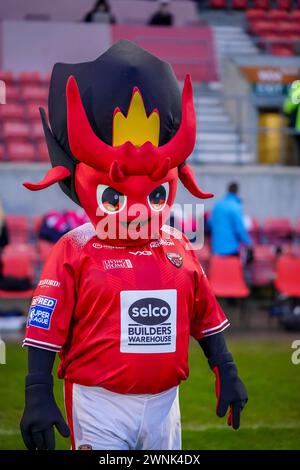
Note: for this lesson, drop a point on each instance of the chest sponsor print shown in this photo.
(117, 263)
(148, 321)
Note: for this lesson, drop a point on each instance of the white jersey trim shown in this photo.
(41, 344)
(217, 329)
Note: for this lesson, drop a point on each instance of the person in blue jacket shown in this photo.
(227, 225)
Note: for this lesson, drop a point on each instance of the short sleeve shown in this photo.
(53, 300)
(208, 317)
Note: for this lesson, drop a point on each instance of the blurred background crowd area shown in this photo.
(243, 56)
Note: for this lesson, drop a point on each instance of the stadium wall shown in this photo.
(44, 44)
(266, 191)
(190, 50)
(132, 11)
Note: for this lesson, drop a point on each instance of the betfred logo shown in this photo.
(41, 311)
(150, 311)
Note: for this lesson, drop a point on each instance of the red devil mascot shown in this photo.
(119, 297)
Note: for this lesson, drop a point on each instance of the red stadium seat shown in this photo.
(24, 294)
(203, 256)
(21, 152)
(282, 50)
(256, 15)
(2, 153)
(226, 277)
(297, 227)
(6, 76)
(217, 4)
(47, 78)
(37, 131)
(37, 221)
(42, 152)
(261, 4)
(34, 94)
(18, 228)
(12, 112)
(296, 250)
(277, 230)
(18, 260)
(32, 112)
(288, 28)
(295, 16)
(287, 280)
(278, 15)
(284, 4)
(12, 93)
(16, 131)
(44, 250)
(30, 78)
(263, 266)
(254, 230)
(239, 4)
(264, 28)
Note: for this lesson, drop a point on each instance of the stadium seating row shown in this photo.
(262, 270)
(24, 78)
(24, 152)
(286, 277)
(273, 231)
(284, 5)
(21, 132)
(25, 260)
(278, 30)
(282, 15)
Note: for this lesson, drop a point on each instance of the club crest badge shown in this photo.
(175, 259)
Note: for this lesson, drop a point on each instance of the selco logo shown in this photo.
(149, 311)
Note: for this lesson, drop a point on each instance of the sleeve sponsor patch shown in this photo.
(40, 311)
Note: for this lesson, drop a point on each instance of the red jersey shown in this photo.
(121, 317)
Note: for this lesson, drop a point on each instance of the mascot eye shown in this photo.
(157, 199)
(109, 199)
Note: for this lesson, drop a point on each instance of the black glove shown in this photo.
(41, 414)
(230, 392)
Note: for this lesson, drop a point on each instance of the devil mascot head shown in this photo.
(121, 131)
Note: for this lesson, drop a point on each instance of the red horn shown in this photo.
(54, 175)
(187, 177)
(162, 170)
(115, 172)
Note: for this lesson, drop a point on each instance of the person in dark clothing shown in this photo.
(4, 239)
(163, 16)
(3, 235)
(100, 13)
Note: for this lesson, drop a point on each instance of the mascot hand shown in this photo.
(41, 414)
(231, 392)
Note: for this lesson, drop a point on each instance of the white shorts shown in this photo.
(104, 420)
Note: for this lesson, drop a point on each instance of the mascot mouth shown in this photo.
(135, 223)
